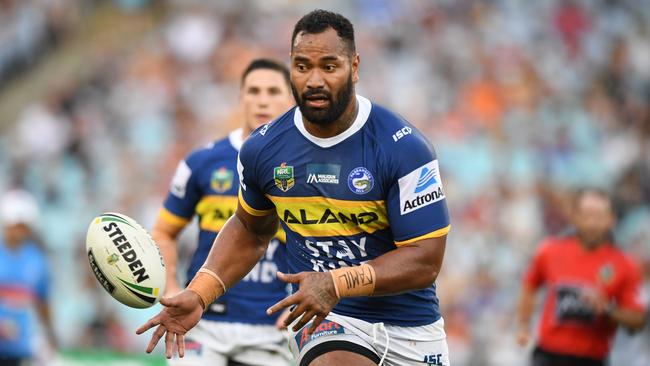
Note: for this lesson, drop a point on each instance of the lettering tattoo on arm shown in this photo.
(354, 281)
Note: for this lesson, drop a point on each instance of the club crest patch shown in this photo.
(360, 180)
(606, 273)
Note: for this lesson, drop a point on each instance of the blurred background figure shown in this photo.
(235, 329)
(592, 287)
(24, 282)
(524, 101)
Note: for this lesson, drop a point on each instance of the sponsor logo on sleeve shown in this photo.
(323, 173)
(360, 181)
(420, 188)
(402, 132)
(179, 181)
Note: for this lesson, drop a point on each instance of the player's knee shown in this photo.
(341, 358)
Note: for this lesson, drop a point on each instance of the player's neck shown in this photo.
(245, 131)
(12, 244)
(591, 245)
(337, 127)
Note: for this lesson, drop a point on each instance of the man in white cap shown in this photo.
(24, 280)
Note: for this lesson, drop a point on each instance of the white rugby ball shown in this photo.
(125, 260)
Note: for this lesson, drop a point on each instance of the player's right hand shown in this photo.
(315, 298)
(523, 337)
(180, 314)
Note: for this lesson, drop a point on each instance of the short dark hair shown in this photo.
(319, 20)
(267, 64)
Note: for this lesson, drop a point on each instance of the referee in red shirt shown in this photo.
(591, 288)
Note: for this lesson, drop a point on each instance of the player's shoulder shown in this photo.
(199, 156)
(625, 260)
(558, 242)
(401, 147)
(268, 134)
(395, 133)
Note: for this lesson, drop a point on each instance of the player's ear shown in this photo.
(241, 92)
(355, 67)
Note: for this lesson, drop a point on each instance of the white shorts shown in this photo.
(214, 343)
(386, 345)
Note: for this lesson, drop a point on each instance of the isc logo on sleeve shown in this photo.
(420, 188)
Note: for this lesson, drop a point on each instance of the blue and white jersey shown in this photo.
(24, 282)
(206, 184)
(347, 199)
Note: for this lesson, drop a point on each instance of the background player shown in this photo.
(24, 281)
(592, 287)
(360, 221)
(205, 184)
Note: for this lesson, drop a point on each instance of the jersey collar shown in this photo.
(236, 139)
(359, 122)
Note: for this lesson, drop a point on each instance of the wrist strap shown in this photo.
(354, 281)
(208, 285)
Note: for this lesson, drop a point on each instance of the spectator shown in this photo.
(24, 280)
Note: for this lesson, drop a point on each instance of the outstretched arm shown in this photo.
(165, 234)
(236, 250)
(240, 245)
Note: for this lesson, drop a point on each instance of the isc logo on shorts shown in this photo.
(420, 188)
(432, 360)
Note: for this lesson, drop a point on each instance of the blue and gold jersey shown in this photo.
(206, 184)
(348, 199)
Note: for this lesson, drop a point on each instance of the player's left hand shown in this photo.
(316, 297)
(595, 299)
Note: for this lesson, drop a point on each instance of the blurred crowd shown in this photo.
(524, 101)
(29, 28)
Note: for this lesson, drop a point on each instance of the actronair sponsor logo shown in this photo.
(420, 188)
(427, 178)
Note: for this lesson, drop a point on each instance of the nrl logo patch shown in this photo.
(221, 180)
(283, 177)
(112, 259)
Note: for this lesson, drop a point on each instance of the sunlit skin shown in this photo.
(264, 95)
(593, 219)
(322, 61)
(319, 62)
(16, 234)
